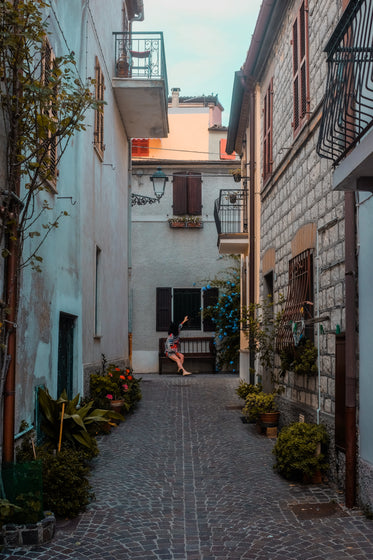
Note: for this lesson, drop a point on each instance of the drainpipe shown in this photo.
(129, 252)
(11, 283)
(318, 326)
(11, 289)
(252, 189)
(350, 408)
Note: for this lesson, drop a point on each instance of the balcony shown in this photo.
(348, 102)
(140, 84)
(230, 215)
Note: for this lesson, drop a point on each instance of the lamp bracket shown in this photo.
(141, 200)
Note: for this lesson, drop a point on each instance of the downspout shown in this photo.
(11, 284)
(350, 408)
(129, 251)
(252, 217)
(318, 326)
(11, 290)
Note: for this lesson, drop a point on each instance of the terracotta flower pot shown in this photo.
(269, 419)
(117, 405)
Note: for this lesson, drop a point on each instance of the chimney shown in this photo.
(175, 96)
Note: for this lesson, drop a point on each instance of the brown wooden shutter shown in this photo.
(300, 68)
(163, 313)
(210, 297)
(267, 132)
(180, 194)
(194, 194)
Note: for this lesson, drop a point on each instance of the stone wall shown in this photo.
(299, 193)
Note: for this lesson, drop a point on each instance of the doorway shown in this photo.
(66, 354)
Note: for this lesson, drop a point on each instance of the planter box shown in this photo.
(185, 225)
(13, 535)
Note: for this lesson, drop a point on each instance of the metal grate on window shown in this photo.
(298, 313)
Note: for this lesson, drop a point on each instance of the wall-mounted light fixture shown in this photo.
(159, 180)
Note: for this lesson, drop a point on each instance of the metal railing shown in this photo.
(348, 102)
(140, 55)
(230, 211)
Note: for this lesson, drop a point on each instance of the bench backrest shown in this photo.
(198, 345)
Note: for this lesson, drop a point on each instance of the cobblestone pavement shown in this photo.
(184, 478)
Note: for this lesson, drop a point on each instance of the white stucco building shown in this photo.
(171, 265)
(76, 310)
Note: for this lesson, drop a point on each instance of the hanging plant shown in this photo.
(301, 359)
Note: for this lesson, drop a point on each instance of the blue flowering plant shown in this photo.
(225, 315)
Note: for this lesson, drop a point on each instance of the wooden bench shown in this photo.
(199, 353)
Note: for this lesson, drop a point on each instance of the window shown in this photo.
(140, 147)
(187, 193)
(267, 132)
(48, 67)
(98, 282)
(99, 113)
(174, 303)
(298, 313)
(300, 68)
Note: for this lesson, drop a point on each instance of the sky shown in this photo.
(206, 42)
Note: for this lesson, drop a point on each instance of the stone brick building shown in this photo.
(296, 237)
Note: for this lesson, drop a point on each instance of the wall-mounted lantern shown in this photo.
(159, 180)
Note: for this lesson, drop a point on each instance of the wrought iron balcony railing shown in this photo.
(140, 55)
(348, 103)
(230, 211)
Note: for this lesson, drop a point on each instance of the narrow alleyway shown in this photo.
(184, 478)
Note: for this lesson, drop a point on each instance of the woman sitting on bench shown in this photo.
(172, 346)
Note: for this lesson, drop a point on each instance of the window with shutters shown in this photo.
(173, 304)
(187, 193)
(267, 132)
(297, 318)
(98, 133)
(140, 147)
(300, 68)
(47, 126)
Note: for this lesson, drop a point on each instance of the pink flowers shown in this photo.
(109, 397)
(125, 387)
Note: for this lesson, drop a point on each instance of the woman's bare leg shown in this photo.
(179, 359)
(175, 358)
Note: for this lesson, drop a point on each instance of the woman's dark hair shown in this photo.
(173, 329)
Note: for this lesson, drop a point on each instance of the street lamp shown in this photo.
(159, 180)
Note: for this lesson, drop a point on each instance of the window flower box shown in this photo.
(185, 222)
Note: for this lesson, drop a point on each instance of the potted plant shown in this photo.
(301, 451)
(236, 175)
(177, 221)
(185, 221)
(115, 388)
(245, 389)
(263, 407)
(301, 359)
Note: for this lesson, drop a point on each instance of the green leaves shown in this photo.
(78, 423)
(300, 450)
(44, 103)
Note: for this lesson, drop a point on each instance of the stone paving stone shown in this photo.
(192, 482)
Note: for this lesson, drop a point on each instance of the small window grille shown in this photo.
(297, 321)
